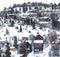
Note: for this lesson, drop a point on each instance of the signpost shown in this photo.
(38, 46)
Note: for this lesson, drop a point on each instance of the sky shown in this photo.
(7, 3)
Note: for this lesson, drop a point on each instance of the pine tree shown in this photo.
(12, 10)
(24, 7)
(23, 49)
(5, 8)
(10, 20)
(33, 24)
(27, 21)
(6, 15)
(52, 36)
(12, 23)
(54, 22)
(15, 42)
(7, 32)
(20, 28)
(8, 53)
(31, 21)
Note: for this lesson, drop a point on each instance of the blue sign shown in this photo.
(38, 46)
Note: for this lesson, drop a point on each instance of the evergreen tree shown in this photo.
(23, 49)
(12, 10)
(52, 36)
(7, 32)
(12, 23)
(59, 4)
(31, 21)
(27, 20)
(10, 20)
(24, 7)
(15, 42)
(55, 5)
(6, 15)
(4, 8)
(33, 24)
(20, 28)
(52, 6)
(8, 53)
(14, 5)
(54, 22)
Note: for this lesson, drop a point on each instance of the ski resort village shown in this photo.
(30, 30)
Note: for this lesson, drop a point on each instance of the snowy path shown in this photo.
(44, 54)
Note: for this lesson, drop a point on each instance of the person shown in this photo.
(29, 46)
(23, 48)
(8, 53)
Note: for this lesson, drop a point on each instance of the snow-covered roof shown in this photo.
(38, 41)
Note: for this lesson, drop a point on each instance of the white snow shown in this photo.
(38, 41)
(45, 53)
(25, 33)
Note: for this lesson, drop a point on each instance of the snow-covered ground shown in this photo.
(45, 53)
(25, 33)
